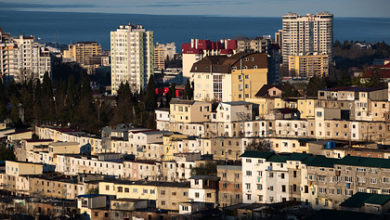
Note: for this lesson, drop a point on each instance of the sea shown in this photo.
(70, 27)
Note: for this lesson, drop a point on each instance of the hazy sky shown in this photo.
(257, 8)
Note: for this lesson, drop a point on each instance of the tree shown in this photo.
(150, 99)
(209, 168)
(375, 81)
(188, 91)
(170, 94)
(123, 113)
(314, 85)
(262, 145)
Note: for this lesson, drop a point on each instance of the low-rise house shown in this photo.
(368, 203)
(204, 189)
(230, 185)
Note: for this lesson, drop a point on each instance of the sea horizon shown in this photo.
(70, 27)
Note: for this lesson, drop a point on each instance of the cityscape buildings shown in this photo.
(22, 58)
(242, 146)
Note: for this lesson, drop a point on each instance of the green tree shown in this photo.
(150, 99)
(188, 91)
(209, 168)
(314, 85)
(123, 113)
(170, 94)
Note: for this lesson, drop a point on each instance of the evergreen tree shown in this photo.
(170, 94)
(123, 113)
(150, 95)
(47, 102)
(3, 102)
(188, 91)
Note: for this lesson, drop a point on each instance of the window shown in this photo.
(373, 181)
(248, 186)
(120, 189)
(259, 186)
(249, 196)
(283, 188)
(208, 195)
(249, 173)
(196, 195)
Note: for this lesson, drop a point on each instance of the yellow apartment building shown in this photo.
(16, 168)
(167, 195)
(306, 107)
(81, 52)
(308, 65)
(189, 111)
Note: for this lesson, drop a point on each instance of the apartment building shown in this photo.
(258, 44)
(204, 189)
(18, 168)
(265, 177)
(230, 185)
(132, 51)
(162, 52)
(83, 52)
(22, 58)
(188, 111)
(302, 35)
(162, 119)
(56, 187)
(226, 79)
(198, 49)
(308, 65)
(167, 195)
(319, 181)
(222, 148)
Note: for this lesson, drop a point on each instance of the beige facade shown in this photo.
(308, 65)
(230, 185)
(15, 168)
(226, 79)
(296, 39)
(82, 52)
(188, 111)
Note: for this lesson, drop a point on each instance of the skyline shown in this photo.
(228, 8)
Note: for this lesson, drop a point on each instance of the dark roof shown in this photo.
(279, 158)
(238, 103)
(208, 177)
(365, 162)
(353, 89)
(90, 195)
(39, 140)
(358, 200)
(341, 215)
(148, 183)
(263, 92)
(224, 64)
(320, 161)
(257, 154)
(182, 101)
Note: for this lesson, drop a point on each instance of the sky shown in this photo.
(230, 8)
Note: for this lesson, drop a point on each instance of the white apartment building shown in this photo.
(303, 35)
(265, 177)
(22, 58)
(132, 52)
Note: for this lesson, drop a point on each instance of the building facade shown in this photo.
(132, 51)
(302, 35)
